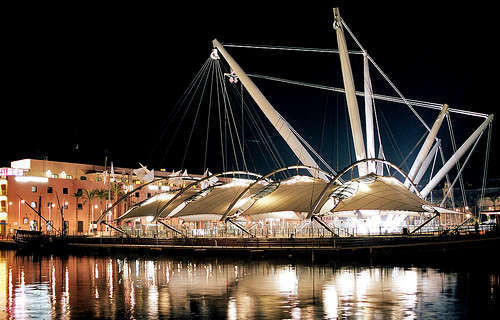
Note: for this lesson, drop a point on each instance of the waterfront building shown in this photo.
(77, 192)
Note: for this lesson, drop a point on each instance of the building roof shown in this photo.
(297, 194)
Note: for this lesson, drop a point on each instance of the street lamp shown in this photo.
(92, 222)
(19, 218)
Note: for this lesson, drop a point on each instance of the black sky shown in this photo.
(82, 82)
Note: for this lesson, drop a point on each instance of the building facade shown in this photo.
(75, 193)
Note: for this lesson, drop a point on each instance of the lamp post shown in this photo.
(52, 205)
(19, 218)
(92, 222)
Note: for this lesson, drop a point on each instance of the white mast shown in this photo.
(370, 138)
(422, 154)
(281, 125)
(350, 93)
(455, 157)
(427, 162)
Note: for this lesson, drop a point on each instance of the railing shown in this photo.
(290, 233)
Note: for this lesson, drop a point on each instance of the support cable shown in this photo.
(208, 120)
(447, 176)
(486, 162)
(432, 170)
(195, 118)
(386, 77)
(454, 145)
(461, 169)
(235, 127)
(416, 103)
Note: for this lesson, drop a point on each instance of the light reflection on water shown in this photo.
(87, 287)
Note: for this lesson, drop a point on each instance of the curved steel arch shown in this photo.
(344, 171)
(159, 212)
(224, 216)
(127, 195)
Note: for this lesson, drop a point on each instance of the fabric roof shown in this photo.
(381, 193)
(151, 206)
(215, 202)
(294, 194)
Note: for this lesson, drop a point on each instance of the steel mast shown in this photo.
(281, 125)
(350, 94)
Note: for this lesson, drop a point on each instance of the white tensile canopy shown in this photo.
(296, 195)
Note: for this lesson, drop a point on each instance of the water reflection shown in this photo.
(79, 287)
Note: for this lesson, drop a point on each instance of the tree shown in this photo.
(117, 190)
(90, 195)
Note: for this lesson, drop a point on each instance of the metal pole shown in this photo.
(324, 225)
(350, 93)
(455, 157)
(240, 227)
(426, 222)
(370, 137)
(426, 147)
(281, 125)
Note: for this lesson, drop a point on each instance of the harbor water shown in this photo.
(134, 286)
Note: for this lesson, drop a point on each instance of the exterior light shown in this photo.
(96, 206)
(31, 179)
(22, 201)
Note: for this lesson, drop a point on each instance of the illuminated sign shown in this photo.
(11, 172)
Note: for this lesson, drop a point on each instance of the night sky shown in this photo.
(82, 83)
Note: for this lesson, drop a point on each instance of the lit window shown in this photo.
(63, 175)
(55, 175)
(33, 188)
(69, 177)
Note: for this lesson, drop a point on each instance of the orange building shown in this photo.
(61, 189)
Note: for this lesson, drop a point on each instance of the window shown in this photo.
(33, 188)
(65, 190)
(137, 194)
(25, 220)
(79, 206)
(49, 189)
(80, 226)
(83, 178)
(149, 195)
(69, 177)
(55, 175)
(33, 205)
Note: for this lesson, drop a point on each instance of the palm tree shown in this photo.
(90, 195)
(117, 190)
